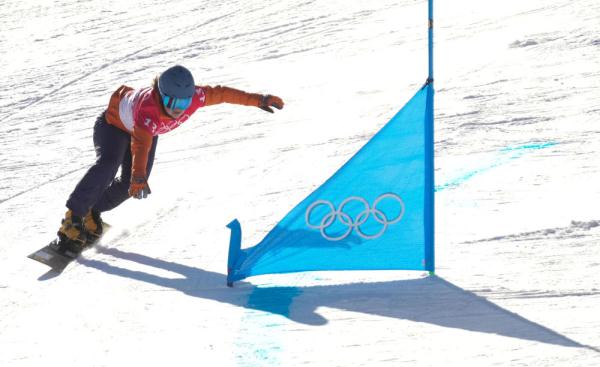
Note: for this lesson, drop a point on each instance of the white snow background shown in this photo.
(517, 153)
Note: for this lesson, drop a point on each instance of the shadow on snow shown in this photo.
(430, 300)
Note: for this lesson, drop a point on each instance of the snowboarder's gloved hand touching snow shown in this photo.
(138, 188)
(268, 101)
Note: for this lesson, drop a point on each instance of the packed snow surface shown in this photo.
(517, 177)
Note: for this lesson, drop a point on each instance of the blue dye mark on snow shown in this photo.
(506, 155)
(529, 147)
(258, 341)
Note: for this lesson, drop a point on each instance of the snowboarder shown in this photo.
(126, 134)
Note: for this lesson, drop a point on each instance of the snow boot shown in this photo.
(93, 225)
(71, 235)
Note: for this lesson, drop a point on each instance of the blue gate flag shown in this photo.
(374, 213)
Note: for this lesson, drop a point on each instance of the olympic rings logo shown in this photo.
(354, 223)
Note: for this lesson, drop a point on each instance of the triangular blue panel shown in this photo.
(374, 213)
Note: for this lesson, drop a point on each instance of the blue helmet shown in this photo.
(176, 84)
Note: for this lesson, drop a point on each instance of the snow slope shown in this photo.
(517, 224)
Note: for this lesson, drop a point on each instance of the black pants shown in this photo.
(99, 189)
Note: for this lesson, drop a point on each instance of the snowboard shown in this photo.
(59, 260)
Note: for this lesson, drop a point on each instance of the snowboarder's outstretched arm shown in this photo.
(221, 94)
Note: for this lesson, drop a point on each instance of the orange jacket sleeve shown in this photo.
(220, 94)
(141, 143)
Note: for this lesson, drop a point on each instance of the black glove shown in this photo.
(268, 101)
(138, 188)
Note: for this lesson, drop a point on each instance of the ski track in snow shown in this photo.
(517, 229)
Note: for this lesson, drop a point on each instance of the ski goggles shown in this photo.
(173, 103)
